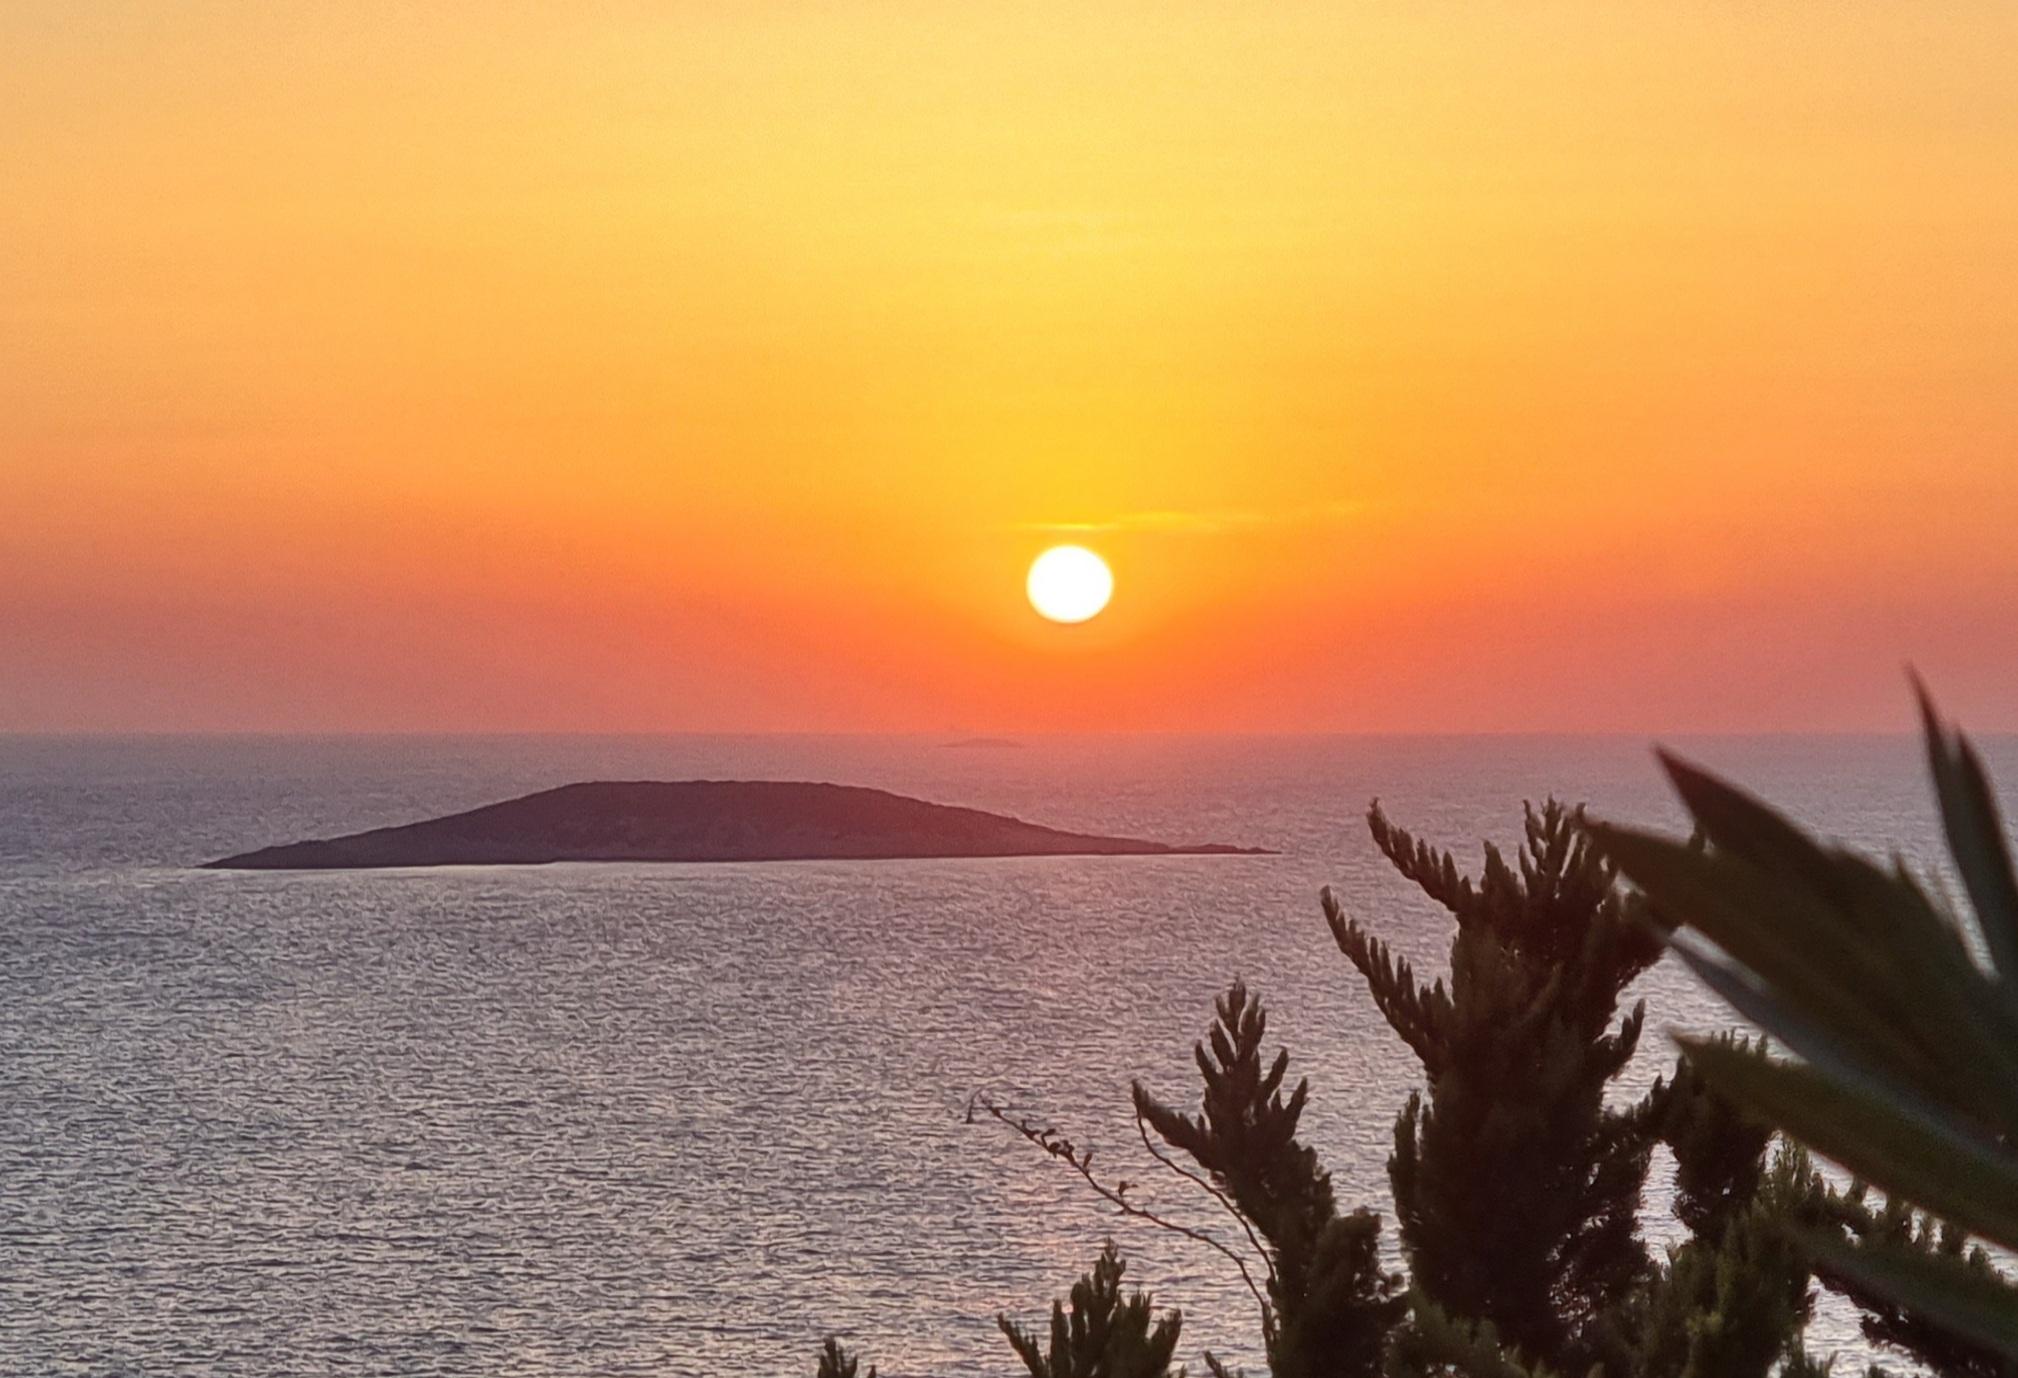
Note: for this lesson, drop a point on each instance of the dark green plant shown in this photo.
(1801, 1364)
(1105, 1334)
(1720, 1151)
(1516, 1186)
(1735, 1296)
(1895, 1225)
(836, 1362)
(1904, 1016)
(1331, 1305)
(1436, 1345)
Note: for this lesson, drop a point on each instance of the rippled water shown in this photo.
(688, 1119)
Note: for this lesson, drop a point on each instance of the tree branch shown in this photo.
(1142, 1128)
(1067, 1152)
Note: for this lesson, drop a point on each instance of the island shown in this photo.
(701, 820)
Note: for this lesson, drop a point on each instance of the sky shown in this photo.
(721, 367)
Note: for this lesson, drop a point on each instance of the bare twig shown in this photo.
(1205, 1185)
(1080, 1162)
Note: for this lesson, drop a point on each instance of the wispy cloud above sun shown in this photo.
(1206, 523)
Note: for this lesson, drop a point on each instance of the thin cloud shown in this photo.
(1213, 522)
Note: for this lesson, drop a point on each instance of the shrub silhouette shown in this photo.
(1516, 1188)
(1330, 1305)
(1104, 1334)
(1517, 1171)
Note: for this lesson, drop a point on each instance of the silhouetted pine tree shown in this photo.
(1104, 1335)
(1734, 1298)
(1332, 1307)
(1720, 1151)
(1516, 1188)
(1436, 1345)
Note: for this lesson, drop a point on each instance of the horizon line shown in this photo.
(954, 738)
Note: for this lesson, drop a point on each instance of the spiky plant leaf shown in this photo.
(1975, 835)
(1870, 973)
(1911, 1045)
(1972, 1302)
(1899, 1144)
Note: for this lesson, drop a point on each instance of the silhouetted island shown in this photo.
(700, 820)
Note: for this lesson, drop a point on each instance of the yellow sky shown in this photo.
(1422, 366)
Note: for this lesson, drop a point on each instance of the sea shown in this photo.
(693, 1119)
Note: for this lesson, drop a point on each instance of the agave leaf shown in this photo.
(1796, 948)
(1743, 825)
(1842, 883)
(1975, 835)
(1762, 1007)
(1886, 1134)
(1971, 1014)
(1852, 950)
(1976, 1305)
(1874, 964)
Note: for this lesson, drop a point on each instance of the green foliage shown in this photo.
(1734, 1298)
(1437, 1345)
(836, 1362)
(1516, 1187)
(1331, 1305)
(1104, 1335)
(1720, 1151)
(1909, 1042)
(1896, 1228)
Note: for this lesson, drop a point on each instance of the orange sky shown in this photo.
(1418, 366)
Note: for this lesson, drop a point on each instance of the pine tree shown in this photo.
(1516, 1187)
(1104, 1335)
(1734, 1298)
(1436, 1345)
(1720, 1151)
(1331, 1305)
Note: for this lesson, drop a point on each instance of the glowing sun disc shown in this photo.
(1069, 583)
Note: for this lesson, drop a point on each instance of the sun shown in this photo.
(1069, 583)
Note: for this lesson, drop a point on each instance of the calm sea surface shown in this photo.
(689, 1119)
